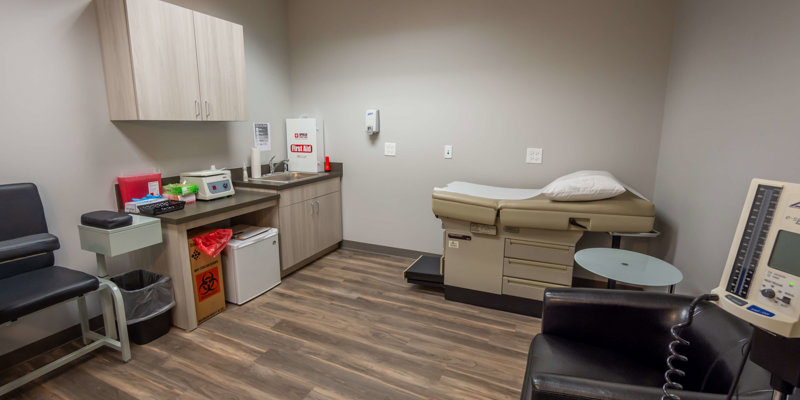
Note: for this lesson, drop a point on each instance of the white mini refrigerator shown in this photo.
(251, 263)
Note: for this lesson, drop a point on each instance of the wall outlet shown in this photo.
(448, 151)
(390, 149)
(533, 155)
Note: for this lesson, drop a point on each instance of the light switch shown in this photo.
(533, 155)
(448, 151)
(389, 149)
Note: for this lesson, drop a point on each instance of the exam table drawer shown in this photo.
(537, 270)
(553, 253)
(526, 288)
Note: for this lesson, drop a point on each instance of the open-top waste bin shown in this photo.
(148, 300)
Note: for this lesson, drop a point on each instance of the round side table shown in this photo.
(629, 267)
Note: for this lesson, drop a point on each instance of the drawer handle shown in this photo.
(459, 237)
(538, 244)
(533, 283)
(537, 264)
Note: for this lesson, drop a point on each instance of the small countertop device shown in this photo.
(211, 183)
(761, 281)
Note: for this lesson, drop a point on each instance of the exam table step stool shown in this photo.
(426, 270)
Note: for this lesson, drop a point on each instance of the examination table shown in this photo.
(503, 247)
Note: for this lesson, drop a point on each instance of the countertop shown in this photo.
(203, 208)
(240, 199)
(336, 172)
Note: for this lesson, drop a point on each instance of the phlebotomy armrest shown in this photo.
(27, 246)
(634, 322)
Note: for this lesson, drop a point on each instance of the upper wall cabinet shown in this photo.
(164, 62)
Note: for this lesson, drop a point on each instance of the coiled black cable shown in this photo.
(674, 355)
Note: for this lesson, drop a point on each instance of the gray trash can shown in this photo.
(148, 300)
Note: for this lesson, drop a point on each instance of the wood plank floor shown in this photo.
(345, 327)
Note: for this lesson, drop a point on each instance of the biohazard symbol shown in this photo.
(207, 284)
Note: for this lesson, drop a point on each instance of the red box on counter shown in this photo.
(138, 186)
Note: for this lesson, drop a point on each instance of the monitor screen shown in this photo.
(786, 253)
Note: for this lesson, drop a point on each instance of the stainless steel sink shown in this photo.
(285, 177)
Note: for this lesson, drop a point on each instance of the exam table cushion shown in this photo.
(41, 288)
(624, 213)
(465, 207)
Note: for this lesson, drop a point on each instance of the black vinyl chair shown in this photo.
(612, 344)
(29, 280)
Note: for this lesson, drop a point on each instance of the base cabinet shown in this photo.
(310, 221)
(296, 222)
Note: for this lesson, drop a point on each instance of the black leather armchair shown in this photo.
(612, 344)
(29, 281)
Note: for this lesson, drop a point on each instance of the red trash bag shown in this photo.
(212, 243)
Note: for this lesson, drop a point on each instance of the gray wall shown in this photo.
(731, 115)
(584, 80)
(56, 133)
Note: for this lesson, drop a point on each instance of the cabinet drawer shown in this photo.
(540, 251)
(308, 191)
(526, 288)
(538, 271)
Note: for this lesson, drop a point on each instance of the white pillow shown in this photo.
(584, 186)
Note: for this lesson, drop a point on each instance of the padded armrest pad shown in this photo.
(27, 246)
(106, 219)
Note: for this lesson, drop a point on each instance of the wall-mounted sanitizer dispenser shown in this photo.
(373, 121)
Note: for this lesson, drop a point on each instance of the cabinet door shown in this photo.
(220, 61)
(328, 220)
(298, 240)
(164, 58)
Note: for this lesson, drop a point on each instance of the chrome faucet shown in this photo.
(274, 166)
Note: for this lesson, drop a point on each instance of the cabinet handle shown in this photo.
(533, 283)
(537, 264)
(208, 110)
(312, 207)
(197, 108)
(316, 207)
(539, 244)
